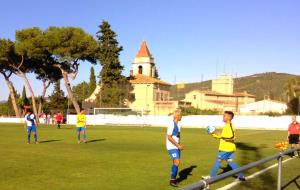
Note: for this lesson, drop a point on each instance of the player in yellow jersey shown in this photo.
(226, 147)
(81, 126)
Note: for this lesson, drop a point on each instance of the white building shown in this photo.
(263, 106)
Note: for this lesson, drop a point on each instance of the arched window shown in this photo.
(140, 69)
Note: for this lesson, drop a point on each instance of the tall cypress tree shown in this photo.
(25, 101)
(156, 73)
(93, 82)
(115, 87)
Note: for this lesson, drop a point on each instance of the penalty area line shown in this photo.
(230, 185)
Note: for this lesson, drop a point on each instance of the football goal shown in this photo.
(118, 116)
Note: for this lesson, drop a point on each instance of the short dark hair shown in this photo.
(230, 113)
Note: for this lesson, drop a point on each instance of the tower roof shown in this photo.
(143, 79)
(143, 51)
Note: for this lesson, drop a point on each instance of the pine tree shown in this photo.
(57, 99)
(93, 82)
(293, 91)
(81, 91)
(115, 87)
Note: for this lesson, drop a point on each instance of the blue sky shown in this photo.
(187, 38)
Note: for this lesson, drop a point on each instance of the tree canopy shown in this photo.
(7, 54)
(56, 53)
(69, 46)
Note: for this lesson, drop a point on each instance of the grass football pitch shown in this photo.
(126, 157)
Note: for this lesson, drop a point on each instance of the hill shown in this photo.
(261, 84)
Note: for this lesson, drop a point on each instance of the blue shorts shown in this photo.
(225, 155)
(174, 154)
(79, 129)
(31, 129)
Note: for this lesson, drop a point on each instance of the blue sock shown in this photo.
(174, 171)
(35, 137)
(233, 165)
(28, 137)
(78, 137)
(84, 136)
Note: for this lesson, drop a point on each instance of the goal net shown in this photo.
(118, 116)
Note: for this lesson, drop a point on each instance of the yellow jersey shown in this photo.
(227, 138)
(81, 120)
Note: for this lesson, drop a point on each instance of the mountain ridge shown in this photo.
(270, 84)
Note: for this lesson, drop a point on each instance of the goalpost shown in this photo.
(118, 116)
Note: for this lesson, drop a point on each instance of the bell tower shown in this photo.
(143, 63)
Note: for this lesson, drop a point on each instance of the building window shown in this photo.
(140, 69)
(195, 97)
(157, 96)
(161, 97)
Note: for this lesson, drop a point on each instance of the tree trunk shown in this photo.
(12, 96)
(70, 92)
(27, 83)
(45, 87)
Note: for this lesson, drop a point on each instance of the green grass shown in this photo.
(290, 175)
(118, 158)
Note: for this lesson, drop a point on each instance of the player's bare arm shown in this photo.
(214, 135)
(174, 142)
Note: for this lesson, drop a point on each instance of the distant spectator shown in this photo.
(44, 118)
(58, 119)
(54, 119)
(48, 118)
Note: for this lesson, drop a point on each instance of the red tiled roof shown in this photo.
(143, 51)
(243, 94)
(143, 79)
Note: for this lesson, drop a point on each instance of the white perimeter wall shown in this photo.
(11, 120)
(247, 122)
(197, 121)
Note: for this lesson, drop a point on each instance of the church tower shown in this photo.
(143, 63)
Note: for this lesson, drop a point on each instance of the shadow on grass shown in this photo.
(95, 140)
(65, 128)
(183, 174)
(225, 169)
(250, 154)
(291, 182)
(48, 141)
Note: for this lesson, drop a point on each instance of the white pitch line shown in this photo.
(230, 185)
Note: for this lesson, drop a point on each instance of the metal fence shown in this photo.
(279, 156)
